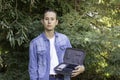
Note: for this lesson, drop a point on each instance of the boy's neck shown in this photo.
(49, 34)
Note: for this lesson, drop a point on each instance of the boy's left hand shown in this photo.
(79, 69)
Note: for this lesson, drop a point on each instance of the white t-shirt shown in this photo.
(53, 56)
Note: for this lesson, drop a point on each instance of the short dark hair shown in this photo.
(49, 10)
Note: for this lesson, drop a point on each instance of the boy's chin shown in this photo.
(49, 29)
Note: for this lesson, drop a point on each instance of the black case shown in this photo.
(72, 58)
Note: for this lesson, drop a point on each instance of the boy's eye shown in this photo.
(52, 18)
(46, 18)
(49, 19)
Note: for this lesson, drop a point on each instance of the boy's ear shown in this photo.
(41, 21)
(57, 22)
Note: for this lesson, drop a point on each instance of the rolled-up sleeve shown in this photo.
(33, 62)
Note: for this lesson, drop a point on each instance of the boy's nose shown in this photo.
(49, 21)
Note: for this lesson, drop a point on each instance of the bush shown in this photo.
(101, 46)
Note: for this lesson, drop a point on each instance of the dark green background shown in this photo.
(91, 25)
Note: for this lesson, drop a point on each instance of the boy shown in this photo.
(47, 50)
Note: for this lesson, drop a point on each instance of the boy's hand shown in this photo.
(79, 69)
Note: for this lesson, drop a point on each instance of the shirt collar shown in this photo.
(45, 38)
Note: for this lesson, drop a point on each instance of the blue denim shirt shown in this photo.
(39, 55)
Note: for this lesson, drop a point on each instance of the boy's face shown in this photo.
(49, 21)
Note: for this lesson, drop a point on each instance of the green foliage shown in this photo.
(101, 45)
(91, 25)
(17, 63)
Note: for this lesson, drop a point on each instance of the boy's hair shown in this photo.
(49, 10)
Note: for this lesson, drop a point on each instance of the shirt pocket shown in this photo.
(41, 51)
(62, 49)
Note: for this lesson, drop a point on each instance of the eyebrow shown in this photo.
(50, 17)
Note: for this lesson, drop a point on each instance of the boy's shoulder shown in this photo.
(61, 35)
(36, 39)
